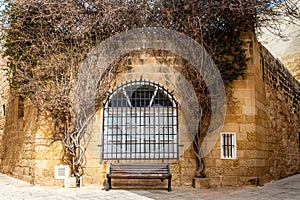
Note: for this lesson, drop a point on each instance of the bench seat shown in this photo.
(139, 171)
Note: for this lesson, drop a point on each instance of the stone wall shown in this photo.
(245, 118)
(263, 111)
(283, 103)
(26, 152)
(3, 99)
(149, 68)
(47, 152)
(29, 152)
(18, 143)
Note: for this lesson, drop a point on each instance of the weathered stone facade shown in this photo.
(3, 95)
(263, 111)
(18, 145)
(265, 116)
(283, 111)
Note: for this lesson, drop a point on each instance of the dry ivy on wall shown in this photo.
(45, 41)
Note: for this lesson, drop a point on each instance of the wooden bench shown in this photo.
(139, 171)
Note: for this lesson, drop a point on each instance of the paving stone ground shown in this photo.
(284, 189)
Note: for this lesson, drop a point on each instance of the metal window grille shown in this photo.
(228, 145)
(140, 123)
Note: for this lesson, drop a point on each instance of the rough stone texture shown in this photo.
(18, 143)
(263, 112)
(150, 69)
(283, 124)
(200, 183)
(3, 99)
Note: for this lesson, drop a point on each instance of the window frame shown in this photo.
(230, 144)
(164, 143)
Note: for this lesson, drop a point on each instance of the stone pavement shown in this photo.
(284, 189)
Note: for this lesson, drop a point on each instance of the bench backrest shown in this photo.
(140, 169)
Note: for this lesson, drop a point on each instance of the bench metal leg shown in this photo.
(108, 187)
(170, 183)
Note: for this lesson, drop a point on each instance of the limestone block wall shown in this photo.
(47, 153)
(292, 62)
(18, 142)
(283, 102)
(95, 169)
(261, 116)
(29, 151)
(264, 113)
(146, 66)
(3, 99)
(244, 117)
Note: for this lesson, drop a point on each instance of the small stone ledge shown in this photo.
(70, 182)
(201, 183)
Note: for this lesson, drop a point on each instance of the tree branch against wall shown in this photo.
(45, 42)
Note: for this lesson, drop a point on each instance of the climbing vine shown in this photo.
(45, 42)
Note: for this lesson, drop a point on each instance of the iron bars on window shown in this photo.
(140, 123)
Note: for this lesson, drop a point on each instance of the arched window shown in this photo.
(140, 123)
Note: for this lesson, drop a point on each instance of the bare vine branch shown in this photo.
(45, 42)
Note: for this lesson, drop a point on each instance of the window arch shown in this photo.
(140, 123)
